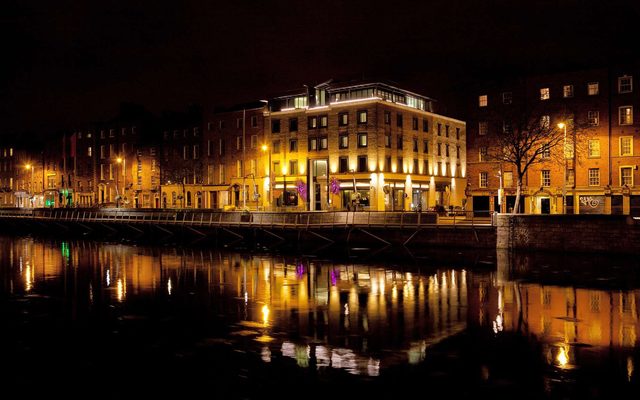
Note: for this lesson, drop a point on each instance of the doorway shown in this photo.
(545, 205)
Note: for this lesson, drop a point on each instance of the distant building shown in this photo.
(601, 173)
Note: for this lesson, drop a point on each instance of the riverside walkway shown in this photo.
(383, 226)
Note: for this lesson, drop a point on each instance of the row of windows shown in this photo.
(7, 152)
(593, 149)
(111, 132)
(625, 117)
(625, 85)
(626, 177)
(321, 121)
(182, 133)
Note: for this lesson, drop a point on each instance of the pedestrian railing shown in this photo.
(261, 219)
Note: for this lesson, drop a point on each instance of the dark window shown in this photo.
(425, 125)
(439, 129)
(399, 142)
(457, 133)
(400, 167)
(343, 164)
(293, 145)
(276, 146)
(275, 126)
(414, 123)
(425, 147)
(387, 163)
(399, 121)
(254, 121)
(415, 166)
(426, 167)
(446, 150)
(415, 144)
(446, 130)
(362, 164)
(293, 124)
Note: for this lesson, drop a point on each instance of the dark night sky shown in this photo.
(69, 62)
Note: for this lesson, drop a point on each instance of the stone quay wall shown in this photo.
(569, 233)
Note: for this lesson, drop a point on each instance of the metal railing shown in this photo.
(264, 219)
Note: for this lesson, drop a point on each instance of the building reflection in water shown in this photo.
(360, 318)
(321, 314)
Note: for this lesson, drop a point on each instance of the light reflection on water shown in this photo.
(360, 318)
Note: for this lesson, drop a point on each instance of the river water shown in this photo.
(86, 319)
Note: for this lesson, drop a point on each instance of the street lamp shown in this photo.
(266, 148)
(563, 126)
(118, 196)
(31, 191)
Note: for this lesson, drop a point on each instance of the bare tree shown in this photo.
(526, 136)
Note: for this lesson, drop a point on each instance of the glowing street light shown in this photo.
(31, 192)
(119, 160)
(563, 126)
(266, 148)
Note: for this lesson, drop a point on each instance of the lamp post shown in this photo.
(31, 191)
(266, 148)
(118, 196)
(563, 126)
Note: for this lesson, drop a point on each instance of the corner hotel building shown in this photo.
(368, 145)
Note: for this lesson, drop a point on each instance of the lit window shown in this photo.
(546, 177)
(343, 119)
(324, 121)
(567, 91)
(313, 122)
(593, 117)
(387, 117)
(626, 176)
(293, 125)
(483, 100)
(593, 88)
(343, 141)
(507, 97)
(594, 148)
(324, 143)
(362, 117)
(545, 94)
(625, 84)
(387, 141)
(313, 144)
(362, 140)
(483, 128)
(626, 146)
(625, 115)
(594, 177)
(484, 179)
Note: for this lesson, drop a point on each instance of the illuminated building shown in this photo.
(600, 173)
(365, 145)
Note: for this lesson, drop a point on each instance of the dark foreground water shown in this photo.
(88, 320)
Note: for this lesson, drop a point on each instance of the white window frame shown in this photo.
(594, 177)
(624, 141)
(625, 84)
(483, 180)
(630, 169)
(483, 128)
(593, 150)
(622, 117)
(545, 178)
(482, 154)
